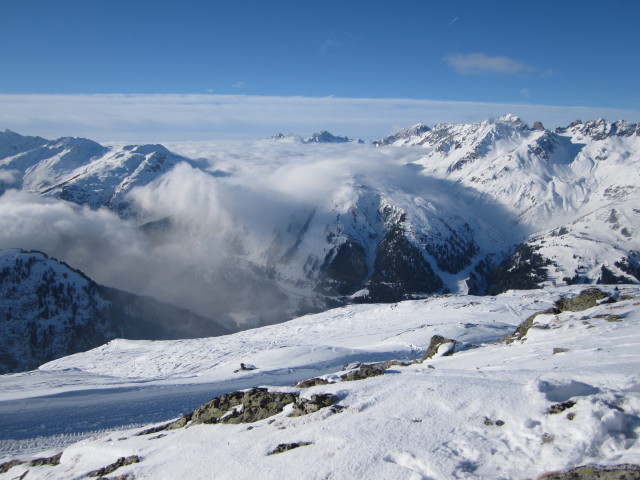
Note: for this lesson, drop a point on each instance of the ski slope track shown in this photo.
(567, 393)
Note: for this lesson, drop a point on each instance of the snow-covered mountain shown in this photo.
(322, 136)
(560, 391)
(49, 310)
(573, 191)
(80, 170)
(273, 229)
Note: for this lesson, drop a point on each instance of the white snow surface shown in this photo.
(480, 413)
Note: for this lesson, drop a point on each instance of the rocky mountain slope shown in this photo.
(49, 310)
(574, 191)
(476, 208)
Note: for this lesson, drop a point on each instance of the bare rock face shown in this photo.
(525, 269)
(345, 270)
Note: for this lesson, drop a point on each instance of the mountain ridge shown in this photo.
(49, 310)
(457, 200)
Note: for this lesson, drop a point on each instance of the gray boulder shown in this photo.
(363, 371)
(586, 299)
(439, 346)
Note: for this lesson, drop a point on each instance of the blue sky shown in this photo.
(543, 53)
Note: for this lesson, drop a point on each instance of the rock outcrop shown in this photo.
(586, 299)
(439, 346)
(247, 406)
(597, 472)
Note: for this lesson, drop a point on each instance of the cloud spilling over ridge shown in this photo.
(163, 118)
(234, 205)
(110, 250)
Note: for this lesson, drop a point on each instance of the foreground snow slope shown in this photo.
(481, 413)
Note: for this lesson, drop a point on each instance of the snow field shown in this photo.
(481, 413)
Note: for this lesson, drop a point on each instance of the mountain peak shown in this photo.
(325, 136)
(600, 129)
(12, 143)
(281, 137)
(405, 135)
(512, 120)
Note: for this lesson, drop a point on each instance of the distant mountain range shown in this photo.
(473, 208)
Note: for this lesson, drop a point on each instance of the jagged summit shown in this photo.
(600, 129)
(324, 136)
(403, 135)
(290, 138)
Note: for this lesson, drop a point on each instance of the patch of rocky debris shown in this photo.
(247, 407)
(586, 299)
(121, 462)
(596, 472)
(438, 346)
(37, 462)
(362, 371)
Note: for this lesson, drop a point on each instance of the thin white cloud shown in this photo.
(166, 118)
(238, 84)
(452, 22)
(482, 64)
(331, 42)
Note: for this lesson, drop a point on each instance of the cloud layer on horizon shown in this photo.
(195, 117)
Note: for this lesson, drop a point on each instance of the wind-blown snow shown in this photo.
(481, 413)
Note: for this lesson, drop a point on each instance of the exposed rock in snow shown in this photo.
(585, 299)
(439, 347)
